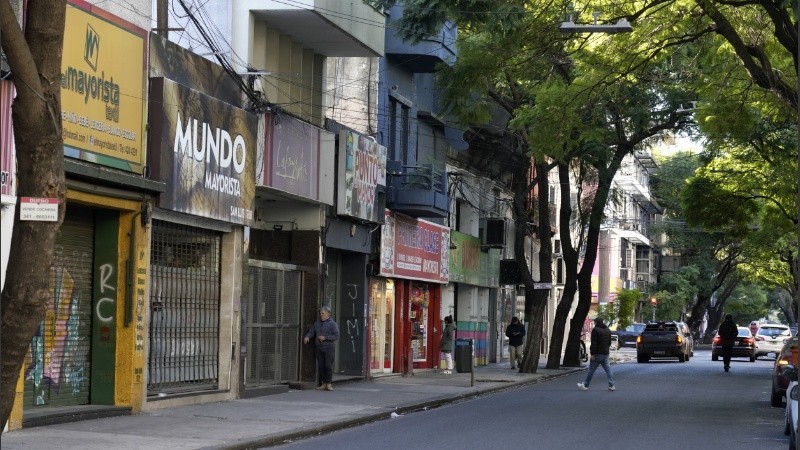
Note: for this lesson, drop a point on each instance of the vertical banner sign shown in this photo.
(207, 153)
(414, 249)
(7, 165)
(362, 174)
(103, 88)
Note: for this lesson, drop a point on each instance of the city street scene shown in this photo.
(399, 223)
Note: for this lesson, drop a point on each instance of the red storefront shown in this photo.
(415, 264)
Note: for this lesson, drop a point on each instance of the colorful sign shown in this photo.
(471, 265)
(298, 158)
(204, 150)
(103, 88)
(7, 166)
(414, 249)
(362, 177)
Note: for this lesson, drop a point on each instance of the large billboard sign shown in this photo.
(204, 150)
(103, 88)
(414, 249)
(362, 177)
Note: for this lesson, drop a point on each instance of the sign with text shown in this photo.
(414, 249)
(103, 88)
(38, 209)
(471, 265)
(298, 158)
(204, 150)
(362, 177)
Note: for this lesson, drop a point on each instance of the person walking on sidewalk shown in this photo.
(446, 344)
(600, 350)
(325, 333)
(727, 334)
(515, 331)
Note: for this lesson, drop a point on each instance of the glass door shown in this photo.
(381, 325)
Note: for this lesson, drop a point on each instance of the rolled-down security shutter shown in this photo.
(58, 372)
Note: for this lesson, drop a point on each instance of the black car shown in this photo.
(743, 347)
(628, 335)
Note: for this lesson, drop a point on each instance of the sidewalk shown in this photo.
(271, 419)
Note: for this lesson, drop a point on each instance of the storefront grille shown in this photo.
(184, 309)
(273, 326)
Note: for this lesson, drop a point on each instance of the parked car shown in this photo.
(770, 338)
(627, 336)
(743, 347)
(790, 413)
(781, 371)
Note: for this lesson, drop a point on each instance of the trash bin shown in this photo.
(463, 355)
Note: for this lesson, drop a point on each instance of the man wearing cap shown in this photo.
(599, 349)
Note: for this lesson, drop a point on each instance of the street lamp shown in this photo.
(653, 304)
(622, 26)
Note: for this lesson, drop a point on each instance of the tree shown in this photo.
(34, 58)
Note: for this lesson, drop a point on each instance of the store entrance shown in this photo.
(381, 315)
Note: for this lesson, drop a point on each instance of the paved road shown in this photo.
(659, 405)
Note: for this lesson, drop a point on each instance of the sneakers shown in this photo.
(612, 388)
(329, 387)
(322, 387)
(447, 372)
(583, 387)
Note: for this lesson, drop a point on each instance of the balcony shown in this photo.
(417, 191)
(329, 27)
(423, 56)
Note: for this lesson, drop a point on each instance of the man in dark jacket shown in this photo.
(599, 349)
(324, 332)
(727, 334)
(515, 331)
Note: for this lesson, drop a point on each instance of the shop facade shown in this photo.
(286, 267)
(413, 266)
(86, 351)
(203, 148)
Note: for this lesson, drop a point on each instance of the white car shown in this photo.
(791, 414)
(770, 338)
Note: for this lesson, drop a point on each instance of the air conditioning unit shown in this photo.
(495, 234)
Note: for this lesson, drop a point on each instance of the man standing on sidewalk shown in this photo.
(325, 333)
(600, 350)
(515, 331)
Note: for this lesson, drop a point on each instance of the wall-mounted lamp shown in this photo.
(277, 227)
(147, 213)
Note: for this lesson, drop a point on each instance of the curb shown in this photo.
(285, 438)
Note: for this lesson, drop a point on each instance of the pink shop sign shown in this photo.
(414, 249)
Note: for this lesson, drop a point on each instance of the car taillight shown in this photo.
(679, 339)
(747, 340)
(717, 339)
(639, 339)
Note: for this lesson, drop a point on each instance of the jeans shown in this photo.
(599, 360)
(325, 354)
(515, 355)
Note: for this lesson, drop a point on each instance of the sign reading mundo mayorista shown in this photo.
(102, 89)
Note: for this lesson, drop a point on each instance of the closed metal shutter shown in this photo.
(184, 309)
(58, 367)
(273, 325)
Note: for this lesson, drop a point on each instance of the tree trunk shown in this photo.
(570, 256)
(605, 176)
(35, 61)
